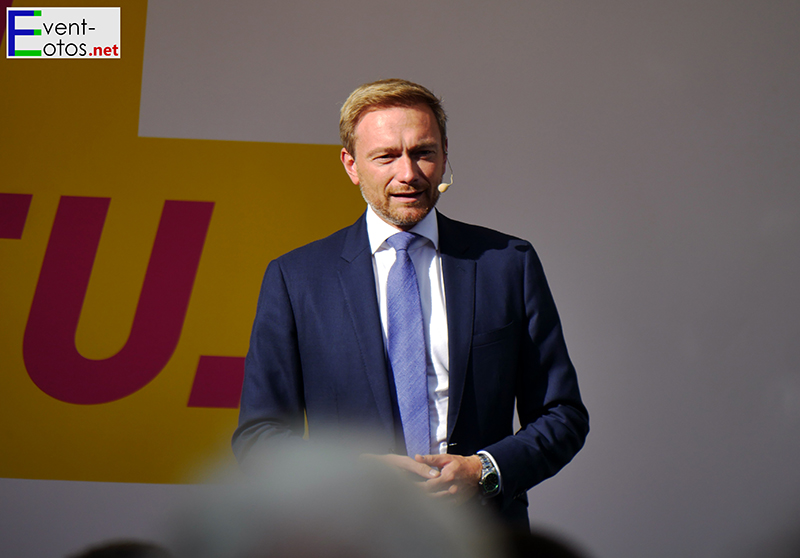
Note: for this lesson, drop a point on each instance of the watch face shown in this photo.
(490, 483)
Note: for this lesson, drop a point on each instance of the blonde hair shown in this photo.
(386, 93)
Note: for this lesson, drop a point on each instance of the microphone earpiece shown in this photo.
(445, 185)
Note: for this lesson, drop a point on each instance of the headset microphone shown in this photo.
(445, 185)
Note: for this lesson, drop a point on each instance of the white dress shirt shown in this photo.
(424, 253)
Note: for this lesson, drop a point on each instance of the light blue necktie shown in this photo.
(407, 346)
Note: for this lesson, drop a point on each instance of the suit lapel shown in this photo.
(459, 288)
(357, 279)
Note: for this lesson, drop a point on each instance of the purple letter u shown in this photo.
(51, 357)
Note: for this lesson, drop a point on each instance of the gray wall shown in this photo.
(647, 149)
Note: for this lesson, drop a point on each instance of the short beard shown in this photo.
(404, 224)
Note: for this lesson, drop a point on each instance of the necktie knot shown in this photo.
(401, 240)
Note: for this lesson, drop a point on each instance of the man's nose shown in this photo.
(408, 169)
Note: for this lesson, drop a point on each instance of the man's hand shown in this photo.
(458, 477)
(417, 470)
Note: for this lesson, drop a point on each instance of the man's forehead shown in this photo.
(385, 120)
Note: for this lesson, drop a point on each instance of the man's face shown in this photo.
(399, 163)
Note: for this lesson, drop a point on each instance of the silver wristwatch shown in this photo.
(490, 480)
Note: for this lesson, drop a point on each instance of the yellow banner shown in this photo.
(130, 269)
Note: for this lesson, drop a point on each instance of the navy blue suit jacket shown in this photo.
(317, 347)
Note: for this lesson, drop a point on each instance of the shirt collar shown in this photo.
(379, 230)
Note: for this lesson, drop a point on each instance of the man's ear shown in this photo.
(350, 167)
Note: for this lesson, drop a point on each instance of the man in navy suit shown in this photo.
(323, 349)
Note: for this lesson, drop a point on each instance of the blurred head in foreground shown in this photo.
(316, 501)
(124, 549)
